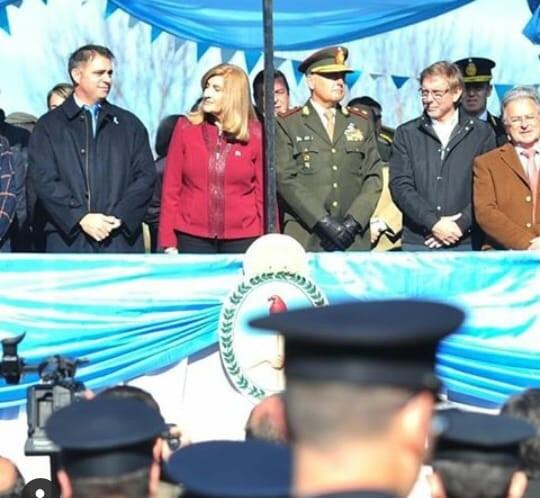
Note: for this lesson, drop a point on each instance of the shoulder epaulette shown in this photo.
(387, 134)
(290, 112)
(357, 111)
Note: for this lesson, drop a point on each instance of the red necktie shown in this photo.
(532, 172)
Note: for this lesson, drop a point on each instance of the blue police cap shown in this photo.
(391, 342)
(105, 437)
(223, 469)
(470, 436)
(476, 69)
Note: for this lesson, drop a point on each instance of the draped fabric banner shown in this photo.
(131, 315)
(298, 24)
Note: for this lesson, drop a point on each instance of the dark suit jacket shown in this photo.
(503, 200)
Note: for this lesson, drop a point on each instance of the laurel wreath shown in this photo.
(228, 315)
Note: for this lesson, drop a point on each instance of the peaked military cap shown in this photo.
(476, 69)
(470, 436)
(105, 436)
(327, 60)
(237, 469)
(373, 342)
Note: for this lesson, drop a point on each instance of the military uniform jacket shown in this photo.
(317, 176)
(426, 184)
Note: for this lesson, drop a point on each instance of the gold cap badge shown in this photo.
(471, 69)
(340, 56)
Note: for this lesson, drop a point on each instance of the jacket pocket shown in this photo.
(307, 159)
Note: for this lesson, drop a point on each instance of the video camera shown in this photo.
(58, 388)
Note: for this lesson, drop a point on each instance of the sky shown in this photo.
(163, 77)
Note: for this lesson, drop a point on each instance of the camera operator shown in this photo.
(108, 447)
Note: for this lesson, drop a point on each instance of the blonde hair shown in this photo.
(237, 107)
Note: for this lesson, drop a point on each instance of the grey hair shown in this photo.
(520, 92)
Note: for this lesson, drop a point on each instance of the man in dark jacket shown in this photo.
(431, 165)
(91, 165)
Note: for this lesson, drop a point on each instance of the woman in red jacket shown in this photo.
(212, 198)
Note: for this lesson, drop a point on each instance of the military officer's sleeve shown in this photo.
(364, 205)
(294, 192)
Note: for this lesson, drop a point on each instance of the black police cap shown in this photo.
(105, 437)
(476, 69)
(239, 469)
(391, 342)
(470, 436)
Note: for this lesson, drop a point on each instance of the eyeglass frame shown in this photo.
(424, 94)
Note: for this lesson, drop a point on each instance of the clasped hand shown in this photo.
(99, 226)
(445, 232)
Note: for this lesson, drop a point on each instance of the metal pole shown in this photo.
(269, 119)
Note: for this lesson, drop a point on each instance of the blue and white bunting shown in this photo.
(202, 48)
(251, 57)
(502, 89)
(353, 77)
(399, 81)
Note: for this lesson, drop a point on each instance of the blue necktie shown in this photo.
(94, 112)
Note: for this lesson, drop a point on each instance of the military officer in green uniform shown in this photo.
(328, 167)
(477, 76)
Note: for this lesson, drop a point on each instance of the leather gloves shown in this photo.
(336, 234)
(351, 225)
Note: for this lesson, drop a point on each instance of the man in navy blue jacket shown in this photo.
(431, 165)
(91, 165)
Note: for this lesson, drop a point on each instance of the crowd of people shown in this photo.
(83, 178)
(360, 417)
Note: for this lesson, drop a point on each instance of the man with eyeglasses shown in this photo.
(328, 167)
(477, 76)
(506, 179)
(431, 165)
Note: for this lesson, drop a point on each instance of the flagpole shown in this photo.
(269, 119)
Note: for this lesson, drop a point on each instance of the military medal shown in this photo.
(353, 134)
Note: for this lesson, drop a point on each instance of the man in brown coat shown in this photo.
(505, 179)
